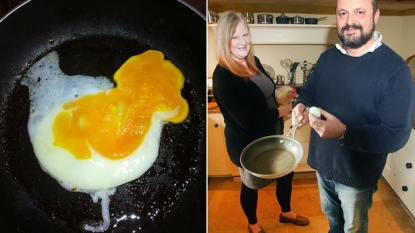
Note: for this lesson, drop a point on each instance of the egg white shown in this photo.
(49, 89)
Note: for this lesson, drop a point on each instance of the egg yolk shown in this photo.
(115, 122)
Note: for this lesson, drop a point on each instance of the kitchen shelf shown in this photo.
(292, 34)
(387, 7)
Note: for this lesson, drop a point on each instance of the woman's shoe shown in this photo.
(299, 220)
(250, 230)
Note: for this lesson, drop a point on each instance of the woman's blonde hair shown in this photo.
(225, 29)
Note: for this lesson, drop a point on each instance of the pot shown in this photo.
(248, 17)
(265, 18)
(282, 19)
(94, 38)
(297, 20)
(313, 20)
(273, 156)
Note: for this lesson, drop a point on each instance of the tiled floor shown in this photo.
(226, 216)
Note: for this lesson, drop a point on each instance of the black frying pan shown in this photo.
(94, 37)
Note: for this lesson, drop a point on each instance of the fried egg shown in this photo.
(92, 136)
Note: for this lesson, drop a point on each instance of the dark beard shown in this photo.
(357, 42)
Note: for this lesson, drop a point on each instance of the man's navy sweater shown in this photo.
(373, 95)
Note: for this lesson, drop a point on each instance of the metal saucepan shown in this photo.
(313, 20)
(282, 19)
(265, 18)
(273, 156)
(297, 20)
(94, 38)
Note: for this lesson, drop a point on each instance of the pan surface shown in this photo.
(95, 38)
(272, 157)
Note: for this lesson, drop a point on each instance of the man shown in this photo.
(366, 97)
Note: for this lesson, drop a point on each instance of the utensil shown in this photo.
(248, 17)
(94, 38)
(313, 20)
(270, 71)
(297, 20)
(213, 16)
(265, 18)
(273, 156)
(282, 19)
(286, 64)
(280, 80)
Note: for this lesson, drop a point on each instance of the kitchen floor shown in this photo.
(225, 214)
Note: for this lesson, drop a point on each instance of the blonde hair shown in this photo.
(225, 29)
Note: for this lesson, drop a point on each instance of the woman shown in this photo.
(246, 98)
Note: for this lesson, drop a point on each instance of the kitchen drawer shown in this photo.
(405, 189)
(406, 162)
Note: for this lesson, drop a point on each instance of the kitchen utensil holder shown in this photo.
(291, 78)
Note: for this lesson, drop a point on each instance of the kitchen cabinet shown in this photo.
(219, 163)
(399, 172)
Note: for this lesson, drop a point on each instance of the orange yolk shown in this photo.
(115, 122)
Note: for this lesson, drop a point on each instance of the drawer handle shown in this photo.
(216, 125)
(405, 188)
(408, 165)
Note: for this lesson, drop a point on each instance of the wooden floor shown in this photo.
(225, 214)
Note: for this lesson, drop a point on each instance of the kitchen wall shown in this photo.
(397, 32)
(407, 42)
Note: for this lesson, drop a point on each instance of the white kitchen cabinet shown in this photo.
(399, 172)
(219, 163)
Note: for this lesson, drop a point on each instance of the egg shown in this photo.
(315, 111)
(92, 136)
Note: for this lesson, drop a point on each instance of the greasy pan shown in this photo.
(94, 38)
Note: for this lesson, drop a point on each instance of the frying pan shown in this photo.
(94, 38)
(274, 156)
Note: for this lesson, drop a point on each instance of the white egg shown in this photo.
(98, 175)
(315, 111)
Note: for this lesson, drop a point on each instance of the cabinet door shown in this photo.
(405, 189)
(217, 156)
(406, 162)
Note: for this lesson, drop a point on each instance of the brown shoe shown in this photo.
(299, 220)
(250, 230)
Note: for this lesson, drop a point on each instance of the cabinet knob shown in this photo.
(408, 165)
(216, 125)
(405, 188)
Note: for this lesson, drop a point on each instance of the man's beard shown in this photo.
(356, 42)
